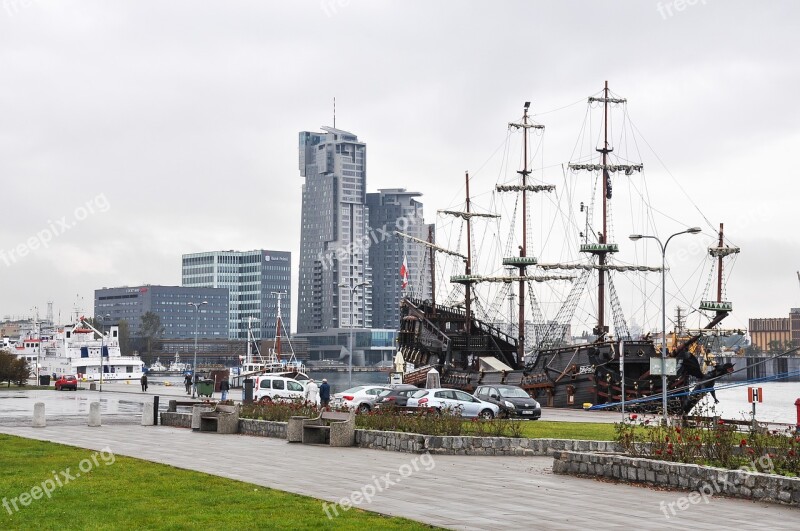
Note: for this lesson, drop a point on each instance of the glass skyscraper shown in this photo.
(392, 210)
(334, 237)
(252, 278)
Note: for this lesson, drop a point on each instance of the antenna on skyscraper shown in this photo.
(334, 112)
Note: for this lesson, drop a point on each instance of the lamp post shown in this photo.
(352, 296)
(102, 319)
(194, 363)
(635, 237)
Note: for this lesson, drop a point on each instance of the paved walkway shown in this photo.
(449, 491)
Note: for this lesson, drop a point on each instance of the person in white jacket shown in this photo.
(312, 392)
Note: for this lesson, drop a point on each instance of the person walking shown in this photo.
(324, 394)
(187, 381)
(224, 387)
(144, 382)
(312, 392)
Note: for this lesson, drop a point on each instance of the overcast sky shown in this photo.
(154, 129)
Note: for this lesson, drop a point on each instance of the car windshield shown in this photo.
(352, 390)
(385, 392)
(420, 393)
(513, 392)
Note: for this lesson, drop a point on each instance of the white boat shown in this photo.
(73, 349)
(255, 364)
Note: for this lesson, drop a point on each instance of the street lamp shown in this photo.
(352, 296)
(636, 237)
(194, 363)
(102, 319)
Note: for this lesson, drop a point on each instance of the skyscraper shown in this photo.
(334, 236)
(252, 278)
(391, 210)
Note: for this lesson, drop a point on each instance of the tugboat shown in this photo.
(472, 347)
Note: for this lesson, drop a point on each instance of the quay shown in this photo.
(457, 492)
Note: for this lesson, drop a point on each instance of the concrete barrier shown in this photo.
(147, 413)
(39, 420)
(197, 412)
(94, 414)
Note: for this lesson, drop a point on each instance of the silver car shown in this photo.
(361, 398)
(442, 399)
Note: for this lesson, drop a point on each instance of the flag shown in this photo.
(404, 273)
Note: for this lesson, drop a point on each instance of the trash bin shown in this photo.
(44, 379)
(205, 387)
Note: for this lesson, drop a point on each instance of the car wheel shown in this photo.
(265, 400)
(363, 408)
(486, 414)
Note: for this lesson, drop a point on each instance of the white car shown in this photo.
(454, 400)
(360, 398)
(276, 388)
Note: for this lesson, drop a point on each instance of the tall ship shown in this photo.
(513, 325)
(79, 349)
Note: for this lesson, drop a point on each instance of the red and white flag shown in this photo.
(404, 273)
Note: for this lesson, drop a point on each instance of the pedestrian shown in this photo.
(324, 394)
(144, 382)
(224, 387)
(312, 392)
(187, 381)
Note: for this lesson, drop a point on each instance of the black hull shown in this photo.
(563, 377)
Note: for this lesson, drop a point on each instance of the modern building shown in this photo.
(335, 278)
(770, 333)
(171, 304)
(370, 346)
(392, 210)
(253, 280)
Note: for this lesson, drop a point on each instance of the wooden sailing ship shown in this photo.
(469, 351)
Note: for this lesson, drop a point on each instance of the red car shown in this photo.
(67, 382)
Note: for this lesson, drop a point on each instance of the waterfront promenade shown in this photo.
(455, 492)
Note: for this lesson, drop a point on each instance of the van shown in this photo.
(275, 388)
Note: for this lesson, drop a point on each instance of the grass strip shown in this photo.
(130, 493)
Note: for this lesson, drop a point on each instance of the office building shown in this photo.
(334, 290)
(253, 280)
(392, 210)
(171, 304)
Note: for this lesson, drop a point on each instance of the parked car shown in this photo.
(67, 381)
(276, 388)
(513, 401)
(442, 399)
(397, 396)
(361, 398)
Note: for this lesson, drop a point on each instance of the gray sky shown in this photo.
(154, 129)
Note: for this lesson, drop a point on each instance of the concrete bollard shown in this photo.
(92, 386)
(173, 406)
(94, 414)
(38, 415)
(147, 413)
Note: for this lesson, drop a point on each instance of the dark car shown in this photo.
(67, 381)
(513, 401)
(397, 396)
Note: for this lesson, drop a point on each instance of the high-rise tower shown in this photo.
(334, 236)
(392, 210)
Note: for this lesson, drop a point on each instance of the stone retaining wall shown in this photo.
(178, 420)
(464, 445)
(261, 428)
(705, 480)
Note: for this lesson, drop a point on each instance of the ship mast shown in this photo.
(278, 325)
(523, 261)
(433, 270)
(468, 263)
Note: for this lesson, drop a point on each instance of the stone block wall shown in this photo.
(707, 480)
(261, 428)
(465, 445)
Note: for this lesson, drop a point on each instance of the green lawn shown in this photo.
(130, 493)
(547, 429)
